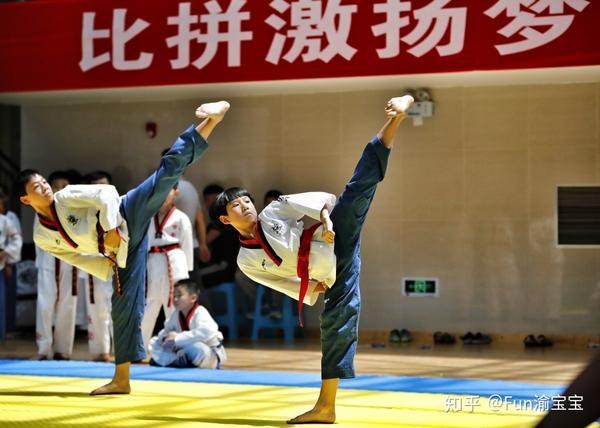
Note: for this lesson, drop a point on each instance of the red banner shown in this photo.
(63, 44)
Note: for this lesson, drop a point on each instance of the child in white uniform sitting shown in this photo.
(190, 338)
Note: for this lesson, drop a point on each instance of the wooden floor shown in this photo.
(557, 365)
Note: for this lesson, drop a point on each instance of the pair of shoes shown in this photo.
(61, 357)
(400, 336)
(537, 342)
(476, 339)
(444, 338)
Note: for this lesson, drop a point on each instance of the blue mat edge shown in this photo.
(455, 386)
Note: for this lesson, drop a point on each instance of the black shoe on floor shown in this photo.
(467, 339)
(395, 336)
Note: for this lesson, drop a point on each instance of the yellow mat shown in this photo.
(31, 401)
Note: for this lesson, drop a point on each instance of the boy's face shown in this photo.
(39, 192)
(241, 213)
(184, 300)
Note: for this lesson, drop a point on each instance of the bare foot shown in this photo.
(398, 106)
(212, 110)
(314, 416)
(112, 388)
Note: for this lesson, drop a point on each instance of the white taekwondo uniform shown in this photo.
(81, 214)
(11, 241)
(170, 259)
(198, 342)
(99, 323)
(56, 304)
(272, 258)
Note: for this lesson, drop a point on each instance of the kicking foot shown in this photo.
(112, 388)
(212, 110)
(397, 107)
(314, 416)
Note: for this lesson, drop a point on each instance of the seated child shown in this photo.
(190, 338)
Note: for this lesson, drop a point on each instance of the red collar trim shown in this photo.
(184, 322)
(264, 243)
(159, 227)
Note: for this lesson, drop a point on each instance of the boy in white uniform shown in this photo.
(98, 298)
(170, 259)
(56, 296)
(11, 243)
(91, 227)
(56, 305)
(278, 252)
(191, 337)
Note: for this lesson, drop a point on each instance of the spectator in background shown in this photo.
(74, 176)
(9, 268)
(190, 337)
(98, 296)
(5, 211)
(188, 201)
(98, 177)
(10, 252)
(223, 244)
(170, 259)
(56, 296)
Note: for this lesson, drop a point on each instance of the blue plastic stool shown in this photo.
(230, 318)
(287, 322)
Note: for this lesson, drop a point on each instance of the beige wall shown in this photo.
(468, 198)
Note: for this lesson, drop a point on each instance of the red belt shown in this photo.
(165, 250)
(302, 268)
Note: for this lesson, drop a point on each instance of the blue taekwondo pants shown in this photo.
(339, 320)
(138, 207)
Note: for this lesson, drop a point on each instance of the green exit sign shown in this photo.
(420, 286)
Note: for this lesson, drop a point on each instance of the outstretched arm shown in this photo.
(396, 112)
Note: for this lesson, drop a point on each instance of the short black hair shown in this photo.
(273, 193)
(219, 206)
(189, 285)
(212, 189)
(22, 179)
(59, 175)
(97, 175)
(74, 176)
